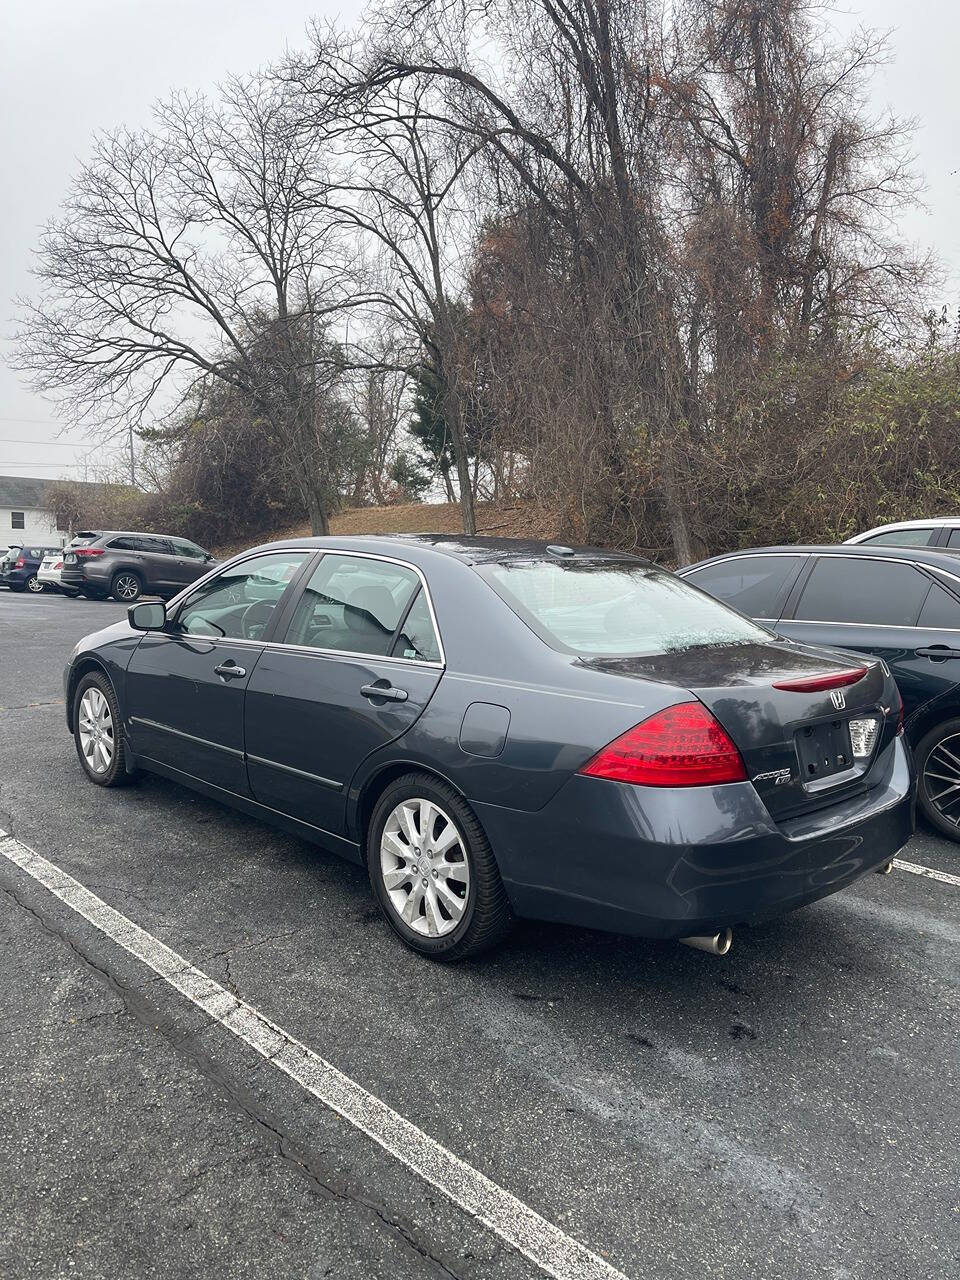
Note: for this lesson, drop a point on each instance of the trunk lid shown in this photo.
(797, 744)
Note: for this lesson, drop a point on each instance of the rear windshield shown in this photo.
(616, 609)
(83, 538)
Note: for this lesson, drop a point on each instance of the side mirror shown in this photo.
(147, 617)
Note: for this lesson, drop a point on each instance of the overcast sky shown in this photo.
(70, 67)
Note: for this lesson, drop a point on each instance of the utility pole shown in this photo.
(133, 472)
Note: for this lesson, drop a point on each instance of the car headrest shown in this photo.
(371, 605)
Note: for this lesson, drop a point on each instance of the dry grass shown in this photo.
(512, 520)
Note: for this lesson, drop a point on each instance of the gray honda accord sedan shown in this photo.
(501, 728)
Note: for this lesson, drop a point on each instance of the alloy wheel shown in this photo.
(941, 778)
(423, 862)
(126, 587)
(35, 585)
(95, 727)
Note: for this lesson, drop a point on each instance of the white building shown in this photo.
(25, 514)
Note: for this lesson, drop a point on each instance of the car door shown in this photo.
(159, 564)
(356, 664)
(185, 685)
(937, 641)
(189, 562)
(868, 604)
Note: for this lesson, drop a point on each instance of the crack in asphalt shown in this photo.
(28, 706)
(134, 1006)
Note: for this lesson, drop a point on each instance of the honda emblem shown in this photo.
(838, 699)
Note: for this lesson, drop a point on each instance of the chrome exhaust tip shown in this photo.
(886, 868)
(717, 944)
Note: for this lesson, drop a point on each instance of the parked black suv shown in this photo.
(126, 565)
(901, 604)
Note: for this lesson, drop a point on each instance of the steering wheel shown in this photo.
(254, 619)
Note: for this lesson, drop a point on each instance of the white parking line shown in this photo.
(915, 869)
(544, 1244)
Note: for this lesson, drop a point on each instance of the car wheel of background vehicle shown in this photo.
(938, 771)
(34, 585)
(97, 732)
(433, 872)
(126, 586)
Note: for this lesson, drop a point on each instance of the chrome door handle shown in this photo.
(385, 691)
(230, 671)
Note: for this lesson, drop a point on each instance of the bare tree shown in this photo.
(197, 252)
(400, 186)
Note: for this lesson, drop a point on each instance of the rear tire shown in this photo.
(938, 771)
(34, 585)
(433, 872)
(126, 586)
(98, 732)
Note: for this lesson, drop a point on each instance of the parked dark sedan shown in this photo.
(126, 565)
(901, 604)
(499, 727)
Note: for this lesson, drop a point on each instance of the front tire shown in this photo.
(938, 771)
(126, 586)
(97, 732)
(433, 872)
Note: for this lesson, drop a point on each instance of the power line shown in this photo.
(64, 444)
(46, 422)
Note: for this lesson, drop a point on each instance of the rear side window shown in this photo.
(940, 609)
(417, 639)
(616, 609)
(854, 589)
(122, 544)
(900, 538)
(756, 585)
(954, 539)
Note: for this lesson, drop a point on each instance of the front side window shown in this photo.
(352, 604)
(187, 549)
(239, 602)
(756, 585)
(900, 538)
(855, 589)
(17, 520)
(616, 609)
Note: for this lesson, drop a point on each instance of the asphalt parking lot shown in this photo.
(790, 1110)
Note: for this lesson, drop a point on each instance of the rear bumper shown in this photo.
(665, 863)
(16, 577)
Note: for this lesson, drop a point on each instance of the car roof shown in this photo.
(928, 522)
(936, 557)
(478, 550)
(127, 533)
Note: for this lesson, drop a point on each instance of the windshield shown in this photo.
(611, 609)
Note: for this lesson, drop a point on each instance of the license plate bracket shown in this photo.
(824, 750)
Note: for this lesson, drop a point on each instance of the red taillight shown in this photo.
(88, 551)
(899, 713)
(20, 563)
(684, 746)
(816, 684)
(58, 565)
